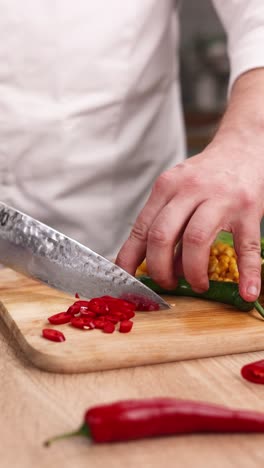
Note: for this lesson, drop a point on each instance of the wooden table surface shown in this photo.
(35, 405)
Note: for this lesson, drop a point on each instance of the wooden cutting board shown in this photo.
(192, 328)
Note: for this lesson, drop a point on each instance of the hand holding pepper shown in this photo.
(219, 189)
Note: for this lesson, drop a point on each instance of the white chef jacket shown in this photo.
(90, 108)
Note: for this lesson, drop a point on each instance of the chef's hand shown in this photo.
(221, 188)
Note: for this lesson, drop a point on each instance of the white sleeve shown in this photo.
(243, 21)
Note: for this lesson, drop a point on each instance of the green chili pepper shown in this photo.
(219, 291)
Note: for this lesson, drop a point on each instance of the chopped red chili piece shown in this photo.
(118, 300)
(82, 303)
(141, 302)
(74, 309)
(85, 323)
(99, 323)
(109, 327)
(129, 314)
(254, 372)
(53, 335)
(77, 296)
(99, 306)
(125, 326)
(59, 319)
(113, 319)
(109, 298)
(118, 315)
(87, 313)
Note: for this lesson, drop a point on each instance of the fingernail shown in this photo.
(252, 290)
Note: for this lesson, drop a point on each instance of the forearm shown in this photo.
(243, 119)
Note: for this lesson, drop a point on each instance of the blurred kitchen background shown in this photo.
(204, 71)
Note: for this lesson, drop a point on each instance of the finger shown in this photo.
(197, 239)
(164, 233)
(178, 268)
(247, 245)
(133, 251)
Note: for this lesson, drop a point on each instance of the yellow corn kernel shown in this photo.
(214, 251)
(223, 266)
(143, 266)
(224, 258)
(220, 246)
(233, 268)
(142, 269)
(222, 262)
(229, 251)
(212, 267)
(229, 275)
(214, 276)
(213, 258)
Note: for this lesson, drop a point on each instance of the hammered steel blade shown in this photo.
(34, 249)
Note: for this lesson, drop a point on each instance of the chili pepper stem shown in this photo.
(259, 308)
(82, 431)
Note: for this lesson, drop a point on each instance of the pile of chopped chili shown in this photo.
(104, 313)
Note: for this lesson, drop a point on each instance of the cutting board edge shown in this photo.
(147, 352)
(57, 364)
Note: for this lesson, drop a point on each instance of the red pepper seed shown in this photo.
(53, 335)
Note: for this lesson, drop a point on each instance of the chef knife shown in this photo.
(36, 250)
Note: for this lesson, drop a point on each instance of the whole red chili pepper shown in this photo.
(136, 419)
(254, 372)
